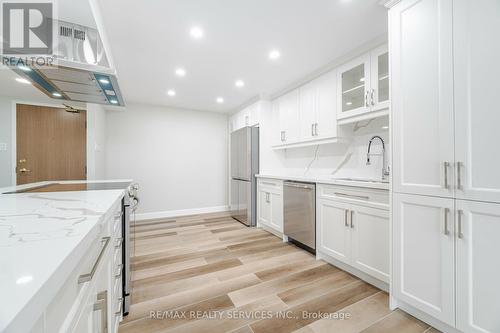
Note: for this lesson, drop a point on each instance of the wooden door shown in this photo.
(370, 241)
(51, 144)
(334, 234)
(478, 267)
(476, 55)
(422, 97)
(423, 256)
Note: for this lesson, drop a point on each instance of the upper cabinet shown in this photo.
(307, 115)
(249, 116)
(363, 87)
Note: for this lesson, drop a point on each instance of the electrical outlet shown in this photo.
(3, 147)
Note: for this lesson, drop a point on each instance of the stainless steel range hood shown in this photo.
(82, 72)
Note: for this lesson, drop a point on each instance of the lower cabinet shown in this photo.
(478, 266)
(424, 266)
(446, 260)
(270, 204)
(354, 234)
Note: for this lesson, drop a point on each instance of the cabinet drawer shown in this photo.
(76, 289)
(270, 183)
(371, 197)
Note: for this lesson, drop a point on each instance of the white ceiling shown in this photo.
(150, 39)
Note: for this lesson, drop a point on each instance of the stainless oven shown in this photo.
(129, 205)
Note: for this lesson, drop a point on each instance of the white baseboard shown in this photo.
(181, 212)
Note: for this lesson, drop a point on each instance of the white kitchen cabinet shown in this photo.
(307, 110)
(422, 97)
(289, 117)
(379, 92)
(334, 235)
(370, 241)
(478, 267)
(352, 231)
(424, 273)
(476, 53)
(363, 86)
(249, 116)
(270, 203)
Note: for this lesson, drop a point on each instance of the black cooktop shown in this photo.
(64, 187)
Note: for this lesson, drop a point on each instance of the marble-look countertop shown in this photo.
(42, 238)
(329, 180)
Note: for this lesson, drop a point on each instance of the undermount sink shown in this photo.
(365, 180)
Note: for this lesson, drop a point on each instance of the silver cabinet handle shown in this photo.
(459, 175)
(120, 271)
(446, 165)
(362, 197)
(352, 223)
(373, 97)
(267, 197)
(118, 216)
(120, 306)
(366, 98)
(268, 183)
(102, 305)
(119, 242)
(312, 129)
(284, 135)
(88, 277)
(459, 224)
(446, 213)
(316, 129)
(346, 212)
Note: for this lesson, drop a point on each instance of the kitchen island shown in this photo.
(46, 239)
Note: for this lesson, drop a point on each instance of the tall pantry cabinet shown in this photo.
(446, 161)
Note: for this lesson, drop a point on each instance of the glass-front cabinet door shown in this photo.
(353, 87)
(379, 93)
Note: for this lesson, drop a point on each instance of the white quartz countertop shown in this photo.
(42, 237)
(330, 180)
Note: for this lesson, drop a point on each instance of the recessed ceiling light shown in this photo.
(362, 79)
(171, 93)
(56, 94)
(239, 83)
(104, 81)
(385, 127)
(220, 100)
(274, 54)
(196, 32)
(22, 80)
(113, 101)
(180, 72)
(348, 103)
(24, 68)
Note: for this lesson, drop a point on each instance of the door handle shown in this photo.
(352, 215)
(373, 97)
(446, 165)
(316, 129)
(459, 224)
(346, 212)
(24, 170)
(446, 213)
(366, 98)
(102, 305)
(459, 176)
(88, 277)
(312, 129)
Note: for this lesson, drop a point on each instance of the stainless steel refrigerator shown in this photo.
(244, 167)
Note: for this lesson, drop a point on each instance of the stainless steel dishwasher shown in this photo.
(300, 214)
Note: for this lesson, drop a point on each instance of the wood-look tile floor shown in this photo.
(209, 273)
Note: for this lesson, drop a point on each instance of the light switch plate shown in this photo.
(3, 146)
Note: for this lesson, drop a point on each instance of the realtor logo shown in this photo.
(27, 28)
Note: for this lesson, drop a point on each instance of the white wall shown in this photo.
(178, 157)
(96, 142)
(335, 160)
